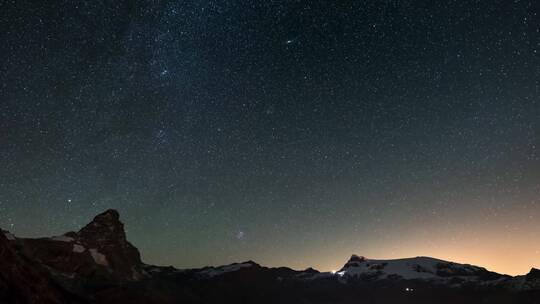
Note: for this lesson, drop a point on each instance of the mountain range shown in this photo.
(97, 264)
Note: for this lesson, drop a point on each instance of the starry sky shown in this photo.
(292, 133)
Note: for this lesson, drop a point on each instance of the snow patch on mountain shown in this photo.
(415, 268)
(216, 271)
(99, 258)
(78, 248)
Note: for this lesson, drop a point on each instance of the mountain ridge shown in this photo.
(98, 264)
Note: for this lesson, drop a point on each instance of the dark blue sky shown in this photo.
(288, 132)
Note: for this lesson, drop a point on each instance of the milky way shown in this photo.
(286, 132)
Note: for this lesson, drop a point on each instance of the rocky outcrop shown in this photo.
(355, 260)
(106, 240)
(98, 251)
(532, 280)
(534, 274)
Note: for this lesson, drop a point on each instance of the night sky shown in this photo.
(292, 133)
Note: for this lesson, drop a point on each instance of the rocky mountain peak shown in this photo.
(354, 260)
(106, 224)
(106, 240)
(534, 274)
(532, 280)
(110, 215)
(311, 270)
(357, 258)
(98, 250)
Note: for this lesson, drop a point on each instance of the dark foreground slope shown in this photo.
(24, 281)
(98, 265)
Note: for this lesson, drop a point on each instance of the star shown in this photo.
(210, 118)
(240, 235)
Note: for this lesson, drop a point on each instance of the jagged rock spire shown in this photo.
(105, 235)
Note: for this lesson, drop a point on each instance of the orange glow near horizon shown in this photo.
(514, 255)
(504, 249)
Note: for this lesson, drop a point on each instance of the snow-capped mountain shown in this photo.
(98, 265)
(417, 268)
